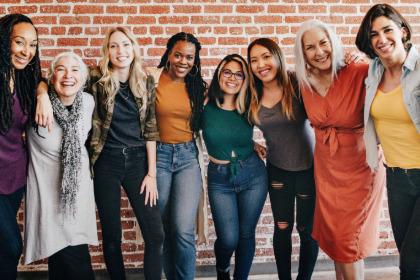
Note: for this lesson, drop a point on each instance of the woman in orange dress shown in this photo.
(348, 195)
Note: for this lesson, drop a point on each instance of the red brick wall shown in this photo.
(223, 27)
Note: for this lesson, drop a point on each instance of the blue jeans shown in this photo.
(403, 188)
(179, 185)
(236, 204)
(10, 238)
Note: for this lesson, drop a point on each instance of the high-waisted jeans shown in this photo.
(403, 186)
(286, 187)
(236, 203)
(126, 167)
(180, 186)
(10, 238)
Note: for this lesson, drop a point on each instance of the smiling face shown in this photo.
(24, 43)
(263, 64)
(317, 49)
(67, 79)
(231, 78)
(121, 51)
(386, 39)
(181, 60)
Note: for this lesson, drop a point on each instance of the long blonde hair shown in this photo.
(137, 79)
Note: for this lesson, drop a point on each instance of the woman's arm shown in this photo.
(44, 113)
(149, 182)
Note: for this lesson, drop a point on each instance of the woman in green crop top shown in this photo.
(237, 180)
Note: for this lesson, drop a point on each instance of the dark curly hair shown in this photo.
(195, 84)
(25, 80)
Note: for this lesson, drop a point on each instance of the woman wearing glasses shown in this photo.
(237, 179)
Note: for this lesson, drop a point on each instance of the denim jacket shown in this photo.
(410, 84)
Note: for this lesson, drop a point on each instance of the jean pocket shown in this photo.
(217, 173)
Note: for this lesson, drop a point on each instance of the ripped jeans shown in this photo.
(284, 187)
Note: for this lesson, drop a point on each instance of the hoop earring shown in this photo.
(167, 64)
(196, 71)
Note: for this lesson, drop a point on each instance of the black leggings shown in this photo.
(126, 168)
(284, 187)
(72, 262)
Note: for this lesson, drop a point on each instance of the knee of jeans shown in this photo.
(112, 247)
(184, 235)
(277, 185)
(304, 232)
(304, 196)
(13, 248)
(155, 238)
(282, 228)
(227, 242)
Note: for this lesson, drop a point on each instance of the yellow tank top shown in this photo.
(173, 111)
(398, 136)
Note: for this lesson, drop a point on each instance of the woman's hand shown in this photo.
(150, 187)
(260, 150)
(43, 113)
(356, 57)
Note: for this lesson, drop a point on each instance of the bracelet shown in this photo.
(153, 177)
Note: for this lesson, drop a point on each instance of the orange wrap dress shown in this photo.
(348, 194)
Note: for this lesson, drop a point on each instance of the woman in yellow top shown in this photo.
(392, 118)
(179, 107)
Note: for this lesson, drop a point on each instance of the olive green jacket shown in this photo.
(102, 115)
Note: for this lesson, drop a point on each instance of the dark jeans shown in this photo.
(70, 263)
(404, 209)
(126, 168)
(286, 187)
(236, 205)
(10, 238)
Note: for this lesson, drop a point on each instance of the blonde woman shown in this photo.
(123, 151)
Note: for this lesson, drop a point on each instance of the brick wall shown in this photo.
(223, 27)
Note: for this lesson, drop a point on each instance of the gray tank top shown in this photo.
(290, 143)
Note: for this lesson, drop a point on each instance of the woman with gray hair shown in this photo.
(348, 194)
(60, 218)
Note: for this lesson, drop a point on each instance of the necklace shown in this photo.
(123, 91)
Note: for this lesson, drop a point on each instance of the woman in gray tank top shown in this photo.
(279, 113)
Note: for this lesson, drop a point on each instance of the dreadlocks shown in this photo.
(25, 81)
(195, 84)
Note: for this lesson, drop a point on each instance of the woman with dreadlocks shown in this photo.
(179, 107)
(20, 74)
(60, 218)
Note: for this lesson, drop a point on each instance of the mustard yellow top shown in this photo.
(398, 136)
(173, 111)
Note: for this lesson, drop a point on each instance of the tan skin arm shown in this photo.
(149, 184)
(43, 113)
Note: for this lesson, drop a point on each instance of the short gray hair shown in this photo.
(82, 65)
(337, 59)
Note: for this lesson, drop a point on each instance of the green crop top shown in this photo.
(227, 134)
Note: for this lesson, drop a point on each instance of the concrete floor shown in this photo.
(388, 273)
(377, 268)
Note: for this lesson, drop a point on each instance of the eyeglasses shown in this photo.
(238, 75)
